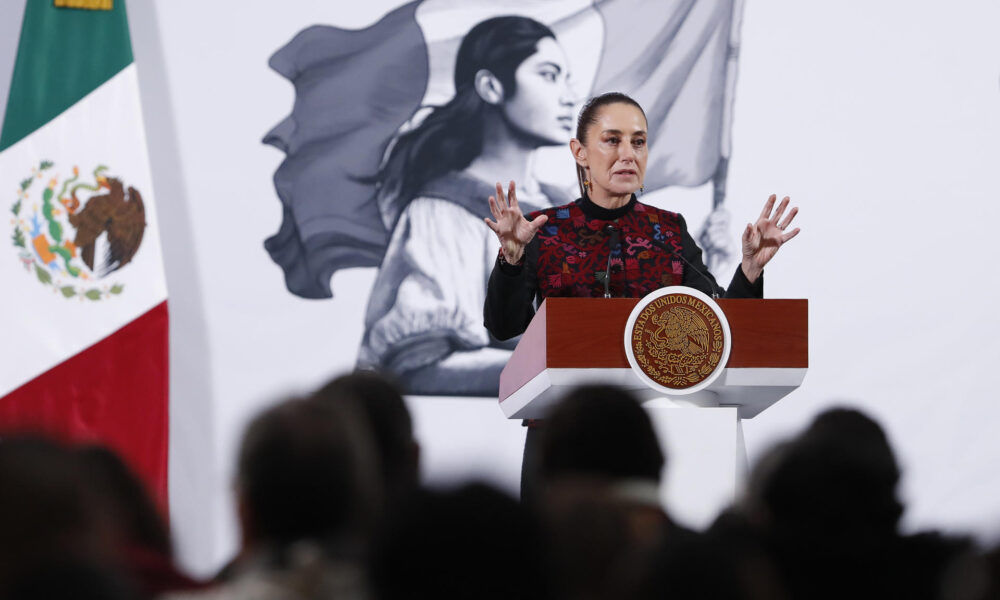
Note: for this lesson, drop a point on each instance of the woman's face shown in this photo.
(542, 105)
(615, 153)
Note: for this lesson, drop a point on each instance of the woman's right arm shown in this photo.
(511, 290)
(510, 295)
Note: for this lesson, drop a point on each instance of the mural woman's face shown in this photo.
(542, 106)
(615, 153)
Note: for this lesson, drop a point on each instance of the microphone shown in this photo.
(614, 240)
(711, 284)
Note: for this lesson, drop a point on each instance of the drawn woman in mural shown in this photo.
(424, 319)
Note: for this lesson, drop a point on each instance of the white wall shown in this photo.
(881, 119)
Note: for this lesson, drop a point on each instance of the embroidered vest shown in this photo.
(573, 251)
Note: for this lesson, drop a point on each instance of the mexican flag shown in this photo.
(83, 298)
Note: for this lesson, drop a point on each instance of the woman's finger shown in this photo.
(788, 220)
(511, 195)
(766, 213)
(537, 223)
(501, 201)
(494, 209)
(493, 226)
(781, 209)
(790, 235)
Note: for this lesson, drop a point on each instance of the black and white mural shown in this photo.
(399, 132)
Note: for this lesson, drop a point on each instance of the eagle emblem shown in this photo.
(77, 231)
(679, 330)
(676, 339)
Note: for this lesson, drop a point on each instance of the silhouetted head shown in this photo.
(118, 488)
(305, 472)
(839, 475)
(48, 512)
(77, 578)
(600, 431)
(381, 404)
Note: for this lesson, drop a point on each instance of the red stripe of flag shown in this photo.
(113, 393)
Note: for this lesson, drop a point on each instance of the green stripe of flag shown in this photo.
(63, 55)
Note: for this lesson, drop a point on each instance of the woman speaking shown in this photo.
(607, 243)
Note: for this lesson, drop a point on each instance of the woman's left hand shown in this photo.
(762, 239)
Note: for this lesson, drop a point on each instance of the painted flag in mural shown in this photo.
(83, 313)
(356, 90)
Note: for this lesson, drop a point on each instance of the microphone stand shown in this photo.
(613, 240)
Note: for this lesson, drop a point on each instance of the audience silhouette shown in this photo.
(380, 403)
(472, 542)
(50, 518)
(330, 506)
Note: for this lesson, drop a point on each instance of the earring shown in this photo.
(642, 189)
(586, 183)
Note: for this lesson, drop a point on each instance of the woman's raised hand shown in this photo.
(762, 239)
(512, 229)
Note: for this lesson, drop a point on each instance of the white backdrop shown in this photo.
(880, 119)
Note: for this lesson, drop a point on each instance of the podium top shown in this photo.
(588, 333)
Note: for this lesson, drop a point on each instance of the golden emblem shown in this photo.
(677, 340)
(85, 4)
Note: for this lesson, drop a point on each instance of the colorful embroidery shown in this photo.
(573, 249)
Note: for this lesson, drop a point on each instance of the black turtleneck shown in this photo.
(596, 211)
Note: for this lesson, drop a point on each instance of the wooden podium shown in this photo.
(573, 341)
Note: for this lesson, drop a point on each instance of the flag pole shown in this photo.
(716, 257)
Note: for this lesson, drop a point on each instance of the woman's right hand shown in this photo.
(512, 229)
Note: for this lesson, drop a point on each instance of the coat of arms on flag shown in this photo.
(77, 232)
(386, 134)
